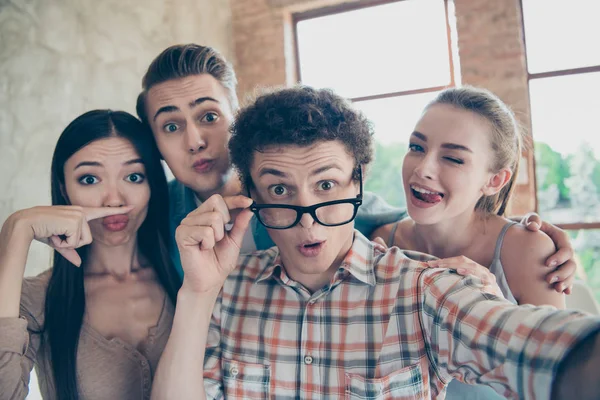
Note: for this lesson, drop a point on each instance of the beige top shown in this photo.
(106, 369)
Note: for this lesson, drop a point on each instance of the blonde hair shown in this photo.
(506, 140)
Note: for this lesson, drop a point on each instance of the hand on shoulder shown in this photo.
(562, 263)
(523, 257)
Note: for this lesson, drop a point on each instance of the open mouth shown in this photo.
(311, 245)
(311, 249)
(426, 195)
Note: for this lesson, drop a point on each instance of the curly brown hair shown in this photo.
(299, 116)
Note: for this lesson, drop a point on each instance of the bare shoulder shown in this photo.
(401, 230)
(404, 234)
(520, 241)
(523, 255)
(383, 232)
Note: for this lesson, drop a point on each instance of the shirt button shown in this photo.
(308, 360)
(234, 371)
(144, 363)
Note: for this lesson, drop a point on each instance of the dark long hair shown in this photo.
(65, 298)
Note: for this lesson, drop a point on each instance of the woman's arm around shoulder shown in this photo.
(523, 259)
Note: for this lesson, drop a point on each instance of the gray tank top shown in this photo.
(495, 266)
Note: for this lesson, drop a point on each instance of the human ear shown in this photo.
(497, 181)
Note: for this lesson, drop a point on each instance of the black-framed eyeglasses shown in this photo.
(329, 213)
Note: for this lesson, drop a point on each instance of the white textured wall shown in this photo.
(60, 58)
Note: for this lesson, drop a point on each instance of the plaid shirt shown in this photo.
(385, 327)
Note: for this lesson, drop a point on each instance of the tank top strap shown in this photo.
(500, 239)
(390, 241)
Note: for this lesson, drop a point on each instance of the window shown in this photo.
(563, 59)
(390, 59)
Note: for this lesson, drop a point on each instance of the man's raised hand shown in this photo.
(208, 252)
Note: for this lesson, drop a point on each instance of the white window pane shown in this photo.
(393, 121)
(561, 34)
(382, 49)
(566, 131)
(586, 243)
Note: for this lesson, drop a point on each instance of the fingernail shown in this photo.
(554, 279)
(552, 263)
(461, 271)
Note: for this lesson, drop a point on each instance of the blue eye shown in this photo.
(210, 117)
(170, 128)
(135, 178)
(415, 147)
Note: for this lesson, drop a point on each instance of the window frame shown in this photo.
(552, 74)
(345, 7)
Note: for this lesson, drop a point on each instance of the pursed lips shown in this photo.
(203, 164)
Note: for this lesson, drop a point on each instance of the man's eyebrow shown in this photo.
(165, 109)
(272, 171)
(201, 100)
(325, 168)
(198, 101)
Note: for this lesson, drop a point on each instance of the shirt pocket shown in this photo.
(403, 384)
(243, 380)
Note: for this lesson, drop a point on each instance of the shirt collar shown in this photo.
(358, 261)
(271, 267)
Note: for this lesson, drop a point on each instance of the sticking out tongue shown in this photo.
(428, 197)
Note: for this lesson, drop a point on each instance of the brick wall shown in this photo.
(492, 55)
(263, 40)
(490, 48)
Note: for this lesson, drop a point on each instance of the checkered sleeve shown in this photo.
(479, 338)
(213, 384)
